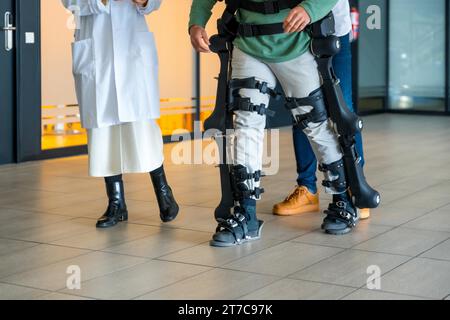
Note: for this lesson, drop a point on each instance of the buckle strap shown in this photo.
(244, 104)
(336, 184)
(240, 174)
(252, 83)
(254, 30)
(332, 167)
(237, 220)
(338, 211)
(246, 194)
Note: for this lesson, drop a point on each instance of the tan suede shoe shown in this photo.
(364, 214)
(298, 202)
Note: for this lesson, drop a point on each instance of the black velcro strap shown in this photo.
(234, 222)
(336, 184)
(257, 192)
(244, 104)
(337, 170)
(268, 7)
(333, 167)
(252, 83)
(254, 30)
(241, 174)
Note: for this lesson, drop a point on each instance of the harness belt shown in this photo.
(233, 27)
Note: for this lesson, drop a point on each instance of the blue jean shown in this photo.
(304, 155)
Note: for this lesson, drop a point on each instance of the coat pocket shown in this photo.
(83, 67)
(83, 58)
(146, 48)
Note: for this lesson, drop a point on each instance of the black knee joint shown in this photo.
(316, 115)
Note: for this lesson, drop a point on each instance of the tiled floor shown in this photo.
(48, 211)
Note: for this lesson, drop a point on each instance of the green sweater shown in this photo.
(273, 48)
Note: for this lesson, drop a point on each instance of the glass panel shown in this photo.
(60, 114)
(176, 65)
(417, 55)
(372, 58)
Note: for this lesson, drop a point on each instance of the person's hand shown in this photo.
(140, 3)
(297, 20)
(199, 39)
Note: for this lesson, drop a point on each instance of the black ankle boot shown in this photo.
(117, 209)
(168, 207)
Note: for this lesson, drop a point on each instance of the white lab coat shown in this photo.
(115, 62)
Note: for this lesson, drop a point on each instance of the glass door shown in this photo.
(417, 55)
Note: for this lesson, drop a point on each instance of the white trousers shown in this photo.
(134, 147)
(298, 77)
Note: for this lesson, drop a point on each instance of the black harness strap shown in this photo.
(254, 30)
(239, 175)
(337, 168)
(244, 104)
(252, 83)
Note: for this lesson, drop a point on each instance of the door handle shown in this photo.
(8, 29)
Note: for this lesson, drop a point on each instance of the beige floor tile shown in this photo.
(365, 294)
(138, 280)
(419, 277)
(56, 200)
(13, 198)
(9, 246)
(349, 268)
(12, 292)
(289, 289)
(404, 241)
(189, 217)
(60, 296)
(35, 257)
(284, 259)
(55, 231)
(206, 255)
(393, 215)
(423, 199)
(440, 252)
(164, 242)
(364, 231)
(99, 239)
(53, 277)
(288, 228)
(438, 220)
(212, 285)
(23, 222)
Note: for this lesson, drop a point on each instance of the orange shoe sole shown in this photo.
(364, 214)
(310, 208)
